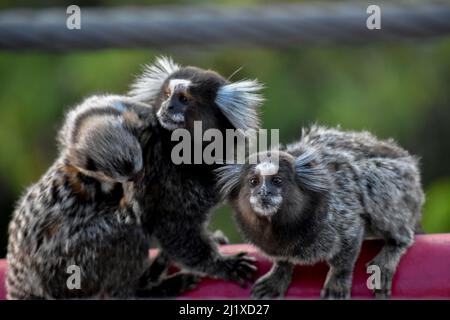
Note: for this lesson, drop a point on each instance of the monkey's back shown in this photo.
(58, 224)
(383, 177)
(392, 195)
(357, 144)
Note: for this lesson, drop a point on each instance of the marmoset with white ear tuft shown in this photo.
(319, 198)
(177, 198)
(82, 212)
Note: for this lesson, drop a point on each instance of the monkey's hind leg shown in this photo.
(274, 283)
(155, 271)
(388, 259)
(338, 284)
(155, 283)
(161, 263)
(170, 286)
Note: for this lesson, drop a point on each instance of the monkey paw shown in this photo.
(267, 288)
(171, 286)
(186, 282)
(383, 291)
(239, 268)
(332, 293)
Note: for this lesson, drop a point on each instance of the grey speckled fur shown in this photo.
(177, 199)
(82, 211)
(373, 189)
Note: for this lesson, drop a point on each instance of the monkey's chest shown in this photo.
(169, 191)
(280, 241)
(263, 234)
(173, 189)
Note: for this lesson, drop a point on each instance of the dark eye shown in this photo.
(277, 181)
(183, 99)
(254, 181)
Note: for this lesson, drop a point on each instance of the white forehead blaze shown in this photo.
(175, 83)
(267, 168)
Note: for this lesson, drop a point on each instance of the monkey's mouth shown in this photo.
(266, 206)
(170, 121)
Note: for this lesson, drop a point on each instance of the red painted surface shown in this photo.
(424, 272)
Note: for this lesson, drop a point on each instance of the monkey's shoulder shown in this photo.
(65, 202)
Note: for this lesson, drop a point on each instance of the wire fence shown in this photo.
(288, 25)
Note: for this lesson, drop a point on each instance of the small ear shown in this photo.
(311, 172)
(146, 87)
(239, 102)
(228, 178)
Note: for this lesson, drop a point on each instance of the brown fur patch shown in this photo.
(71, 174)
(131, 117)
(258, 228)
(123, 202)
(52, 229)
(333, 166)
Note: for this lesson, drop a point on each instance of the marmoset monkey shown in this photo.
(177, 198)
(82, 212)
(317, 200)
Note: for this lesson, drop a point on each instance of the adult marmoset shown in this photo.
(317, 200)
(177, 198)
(82, 211)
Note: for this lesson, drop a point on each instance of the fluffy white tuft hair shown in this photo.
(147, 86)
(228, 178)
(239, 101)
(311, 173)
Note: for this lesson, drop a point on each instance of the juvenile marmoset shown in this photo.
(82, 211)
(177, 198)
(320, 199)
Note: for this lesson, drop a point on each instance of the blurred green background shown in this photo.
(394, 90)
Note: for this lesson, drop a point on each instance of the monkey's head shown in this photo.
(274, 183)
(98, 139)
(182, 95)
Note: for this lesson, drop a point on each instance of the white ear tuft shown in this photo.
(311, 172)
(228, 178)
(239, 102)
(147, 86)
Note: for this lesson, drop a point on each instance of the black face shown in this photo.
(189, 95)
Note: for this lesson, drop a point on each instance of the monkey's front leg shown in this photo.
(275, 282)
(193, 248)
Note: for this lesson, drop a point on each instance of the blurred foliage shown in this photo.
(437, 207)
(394, 90)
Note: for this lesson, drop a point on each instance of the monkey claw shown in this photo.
(423, 273)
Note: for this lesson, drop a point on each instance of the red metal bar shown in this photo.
(424, 272)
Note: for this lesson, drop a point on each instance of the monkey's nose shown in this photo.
(265, 201)
(264, 193)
